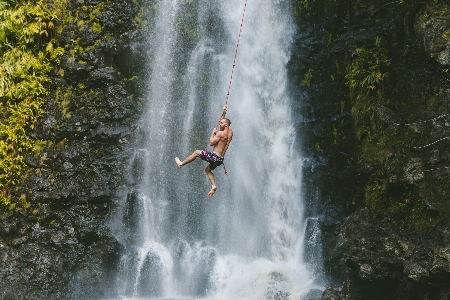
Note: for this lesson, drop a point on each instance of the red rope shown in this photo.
(235, 55)
(234, 64)
(236, 52)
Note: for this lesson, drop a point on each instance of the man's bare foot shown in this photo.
(212, 191)
(178, 161)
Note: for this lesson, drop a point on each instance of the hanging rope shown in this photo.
(235, 55)
(234, 64)
(236, 52)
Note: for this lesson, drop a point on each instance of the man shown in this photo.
(220, 140)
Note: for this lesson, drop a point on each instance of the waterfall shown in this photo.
(246, 241)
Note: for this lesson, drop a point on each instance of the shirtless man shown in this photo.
(220, 140)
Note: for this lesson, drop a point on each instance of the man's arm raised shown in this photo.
(213, 138)
(224, 112)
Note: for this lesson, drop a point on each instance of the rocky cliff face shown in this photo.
(379, 148)
(61, 247)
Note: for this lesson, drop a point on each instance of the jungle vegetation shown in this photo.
(27, 55)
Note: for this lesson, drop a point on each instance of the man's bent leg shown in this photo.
(188, 159)
(213, 181)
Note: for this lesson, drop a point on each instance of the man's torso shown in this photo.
(222, 144)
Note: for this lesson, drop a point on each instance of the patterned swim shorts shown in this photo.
(211, 157)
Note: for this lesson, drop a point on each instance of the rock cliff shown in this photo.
(61, 246)
(375, 95)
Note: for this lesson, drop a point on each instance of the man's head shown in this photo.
(225, 121)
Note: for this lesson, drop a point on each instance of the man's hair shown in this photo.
(228, 121)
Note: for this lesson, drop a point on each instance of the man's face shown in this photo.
(223, 123)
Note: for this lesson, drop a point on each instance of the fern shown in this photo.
(368, 69)
(27, 51)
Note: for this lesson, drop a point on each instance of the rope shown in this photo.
(234, 64)
(421, 122)
(431, 144)
(236, 52)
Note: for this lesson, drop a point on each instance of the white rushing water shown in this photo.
(247, 241)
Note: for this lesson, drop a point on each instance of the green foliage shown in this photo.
(148, 10)
(368, 69)
(374, 195)
(187, 23)
(96, 27)
(57, 54)
(27, 25)
(26, 54)
(307, 78)
(187, 27)
(318, 148)
(317, 9)
(304, 3)
(383, 148)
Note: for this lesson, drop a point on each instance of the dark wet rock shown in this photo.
(103, 76)
(413, 170)
(373, 255)
(19, 241)
(332, 294)
(61, 246)
(75, 72)
(313, 294)
(43, 264)
(384, 251)
(432, 26)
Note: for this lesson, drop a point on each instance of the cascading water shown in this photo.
(247, 241)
